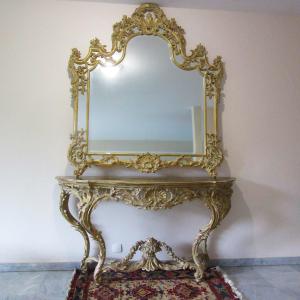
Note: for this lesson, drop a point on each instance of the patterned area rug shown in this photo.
(164, 285)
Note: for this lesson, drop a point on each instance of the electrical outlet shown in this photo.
(116, 248)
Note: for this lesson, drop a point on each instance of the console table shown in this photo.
(148, 193)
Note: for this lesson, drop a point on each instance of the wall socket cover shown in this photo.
(116, 248)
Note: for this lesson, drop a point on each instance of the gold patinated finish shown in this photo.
(149, 260)
(147, 193)
(147, 162)
(148, 19)
(77, 153)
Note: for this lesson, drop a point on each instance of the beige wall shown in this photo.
(260, 117)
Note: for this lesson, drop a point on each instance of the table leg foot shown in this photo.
(199, 275)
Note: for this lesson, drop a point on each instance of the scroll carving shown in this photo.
(147, 163)
(215, 195)
(77, 153)
(218, 202)
(154, 198)
(148, 19)
(64, 208)
(149, 261)
(88, 199)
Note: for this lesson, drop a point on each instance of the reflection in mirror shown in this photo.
(82, 111)
(145, 104)
(210, 122)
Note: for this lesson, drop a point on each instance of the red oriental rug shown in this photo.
(142, 285)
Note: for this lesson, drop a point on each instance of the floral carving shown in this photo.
(213, 78)
(147, 19)
(149, 261)
(153, 197)
(160, 194)
(148, 163)
(214, 154)
(77, 153)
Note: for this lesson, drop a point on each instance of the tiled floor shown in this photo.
(267, 282)
(255, 283)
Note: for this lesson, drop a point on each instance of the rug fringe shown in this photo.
(230, 282)
(71, 284)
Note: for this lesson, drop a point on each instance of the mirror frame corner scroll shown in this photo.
(147, 19)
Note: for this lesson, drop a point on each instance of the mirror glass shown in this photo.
(145, 103)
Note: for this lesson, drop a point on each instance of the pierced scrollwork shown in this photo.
(77, 153)
(147, 162)
(213, 79)
(214, 155)
(217, 200)
(149, 261)
(147, 19)
(88, 198)
(153, 195)
(64, 208)
(78, 73)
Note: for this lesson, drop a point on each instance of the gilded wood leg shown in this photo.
(64, 208)
(218, 202)
(85, 216)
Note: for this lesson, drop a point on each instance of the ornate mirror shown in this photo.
(146, 103)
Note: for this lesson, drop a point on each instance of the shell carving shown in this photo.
(147, 19)
(148, 163)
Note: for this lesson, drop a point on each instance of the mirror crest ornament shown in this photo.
(148, 19)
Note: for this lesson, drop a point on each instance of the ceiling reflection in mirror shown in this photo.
(144, 104)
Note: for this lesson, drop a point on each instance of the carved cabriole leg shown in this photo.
(215, 196)
(85, 217)
(218, 202)
(64, 208)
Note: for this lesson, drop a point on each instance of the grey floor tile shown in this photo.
(249, 282)
(266, 282)
(295, 267)
(259, 292)
(284, 278)
(255, 283)
(51, 285)
(248, 275)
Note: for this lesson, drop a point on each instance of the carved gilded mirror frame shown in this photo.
(148, 19)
